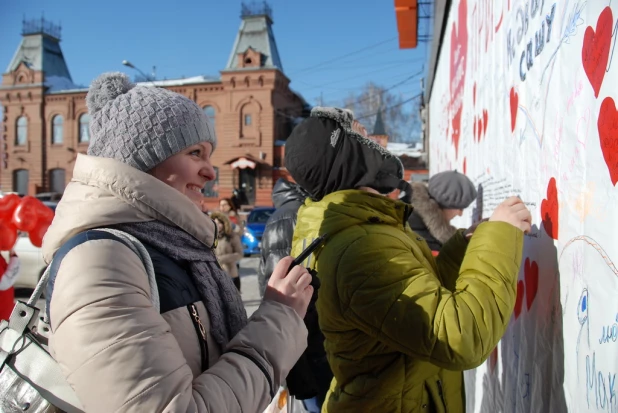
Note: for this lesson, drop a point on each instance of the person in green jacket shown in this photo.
(400, 326)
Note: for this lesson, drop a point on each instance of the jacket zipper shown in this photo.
(201, 334)
(441, 393)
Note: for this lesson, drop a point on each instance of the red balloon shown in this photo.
(8, 204)
(8, 236)
(25, 216)
(43, 212)
(37, 234)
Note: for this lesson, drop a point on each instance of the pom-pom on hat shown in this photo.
(142, 125)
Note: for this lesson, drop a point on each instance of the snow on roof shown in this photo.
(413, 150)
(57, 84)
(180, 82)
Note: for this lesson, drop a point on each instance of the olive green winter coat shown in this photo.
(401, 325)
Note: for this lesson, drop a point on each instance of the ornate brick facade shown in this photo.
(45, 120)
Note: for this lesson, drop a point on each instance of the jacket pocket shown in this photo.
(436, 402)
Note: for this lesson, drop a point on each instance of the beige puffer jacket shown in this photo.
(116, 350)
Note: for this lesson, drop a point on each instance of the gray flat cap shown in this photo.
(452, 190)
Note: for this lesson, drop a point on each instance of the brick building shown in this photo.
(45, 122)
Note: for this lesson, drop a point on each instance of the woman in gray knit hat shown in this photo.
(148, 160)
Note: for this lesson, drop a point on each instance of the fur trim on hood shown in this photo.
(431, 213)
(227, 225)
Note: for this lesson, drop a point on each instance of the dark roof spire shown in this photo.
(378, 127)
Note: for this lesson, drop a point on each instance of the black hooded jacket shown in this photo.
(311, 375)
(277, 239)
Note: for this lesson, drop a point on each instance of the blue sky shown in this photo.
(190, 37)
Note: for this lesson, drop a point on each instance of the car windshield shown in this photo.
(260, 216)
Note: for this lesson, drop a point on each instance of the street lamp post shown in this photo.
(132, 66)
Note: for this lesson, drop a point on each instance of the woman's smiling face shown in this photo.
(187, 171)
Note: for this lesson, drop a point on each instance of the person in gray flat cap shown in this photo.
(445, 196)
(179, 340)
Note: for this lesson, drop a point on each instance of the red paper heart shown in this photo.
(459, 49)
(519, 299)
(464, 166)
(595, 50)
(479, 128)
(549, 210)
(474, 94)
(474, 132)
(531, 275)
(514, 100)
(493, 360)
(482, 128)
(608, 136)
(485, 115)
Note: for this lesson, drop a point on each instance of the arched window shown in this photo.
(209, 111)
(20, 181)
(21, 134)
(57, 129)
(247, 121)
(84, 128)
(57, 180)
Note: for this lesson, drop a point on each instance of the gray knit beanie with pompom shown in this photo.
(142, 125)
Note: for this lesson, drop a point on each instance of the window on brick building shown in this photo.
(57, 181)
(209, 111)
(247, 120)
(20, 181)
(211, 189)
(21, 133)
(57, 129)
(84, 128)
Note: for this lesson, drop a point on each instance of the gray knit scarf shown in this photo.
(221, 298)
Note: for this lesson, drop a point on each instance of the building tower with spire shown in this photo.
(250, 103)
(37, 68)
(379, 134)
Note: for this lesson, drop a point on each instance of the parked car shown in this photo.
(49, 197)
(254, 229)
